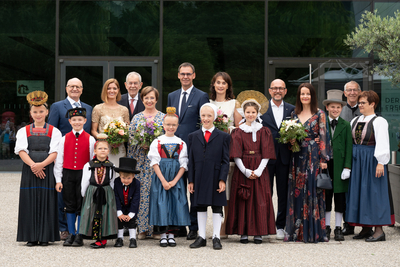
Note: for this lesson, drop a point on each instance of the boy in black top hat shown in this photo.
(74, 151)
(127, 198)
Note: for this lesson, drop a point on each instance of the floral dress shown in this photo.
(305, 218)
(146, 172)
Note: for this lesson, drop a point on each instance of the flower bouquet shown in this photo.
(145, 133)
(222, 121)
(117, 132)
(292, 129)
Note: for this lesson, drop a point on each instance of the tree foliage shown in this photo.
(380, 36)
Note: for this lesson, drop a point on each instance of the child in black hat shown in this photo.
(127, 198)
(74, 151)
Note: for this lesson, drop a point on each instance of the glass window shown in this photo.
(313, 28)
(27, 41)
(109, 28)
(214, 36)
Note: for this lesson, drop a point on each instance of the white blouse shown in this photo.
(228, 107)
(21, 143)
(381, 132)
(155, 157)
(86, 174)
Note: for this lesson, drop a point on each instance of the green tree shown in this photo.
(380, 36)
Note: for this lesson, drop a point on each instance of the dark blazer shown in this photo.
(189, 118)
(208, 164)
(268, 120)
(133, 196)
(125, 102)
(342, 146)
(57, 116)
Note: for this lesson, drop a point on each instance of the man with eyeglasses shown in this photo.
(351, 90)
(187, 100)
(132, 100)
(278, 111)
(57, 118)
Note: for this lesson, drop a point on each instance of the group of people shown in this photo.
(68, 179)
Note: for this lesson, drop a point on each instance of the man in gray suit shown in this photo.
(351, 90)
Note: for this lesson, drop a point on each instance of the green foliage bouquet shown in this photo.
(292, 129)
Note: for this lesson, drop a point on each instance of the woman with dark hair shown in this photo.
(305, 219)
(370, 202)
(108, 111)
(221, 95)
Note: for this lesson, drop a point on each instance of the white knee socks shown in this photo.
(121, 233)
(202, 222)
(217, 220)
(338, 218)
(328, 218)
(132, 233)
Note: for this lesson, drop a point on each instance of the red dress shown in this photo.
(254, 216)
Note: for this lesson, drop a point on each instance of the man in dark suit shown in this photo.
(132, 100)
(278, 111)
(57, 118)
(187, 102)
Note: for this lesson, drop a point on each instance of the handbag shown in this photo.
(324, 180)
(244, 190)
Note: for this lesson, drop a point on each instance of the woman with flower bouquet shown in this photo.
(305, 218)
(111, 119)
(144, 128)
(221, 95)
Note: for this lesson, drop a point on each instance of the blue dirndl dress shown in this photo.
(369, 201)
(168, 208)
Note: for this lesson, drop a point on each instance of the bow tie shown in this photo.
(333, 124)
(76, 134)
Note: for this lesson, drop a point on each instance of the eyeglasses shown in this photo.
(352, 90)
(133, 83)
(186, 74)
(74, 86)
(275, 89)
(362, 103)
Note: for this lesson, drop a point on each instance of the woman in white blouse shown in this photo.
(221, 95)
(369, 201)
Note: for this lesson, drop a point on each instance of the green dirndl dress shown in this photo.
(99, 212)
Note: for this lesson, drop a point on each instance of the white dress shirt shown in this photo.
(72, 102)
(278, 113)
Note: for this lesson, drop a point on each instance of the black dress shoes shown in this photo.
(338, 234)
(364, 234)
(182, 232)
(200, 242)
(382, 237)
(132, 243)
(43, 244)
(119, 243)
(328, 232)
(78, 242)
(32, 243)
(244, 240)
(347, 229)
(192, 235)
(171, 242)
(163, 244)
(257, 241)
(69, 241)
(217, 243)
(94, 245)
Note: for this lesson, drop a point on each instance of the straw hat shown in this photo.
(257, 96)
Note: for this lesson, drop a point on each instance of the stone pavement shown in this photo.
(270, 253)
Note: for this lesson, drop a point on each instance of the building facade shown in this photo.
(47, 42)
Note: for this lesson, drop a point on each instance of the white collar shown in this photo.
(71, 101)
(253, 128)
(331, 119)
(188, 91)
(136, 98)
(210, 130)
(273, 104)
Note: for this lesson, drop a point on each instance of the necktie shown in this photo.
(76, 104)
(131, 106)
(333, 124)
(76, 134)
(207, 135)
(183, 103)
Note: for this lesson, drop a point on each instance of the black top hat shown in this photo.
(76, 112)
(127, 165)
